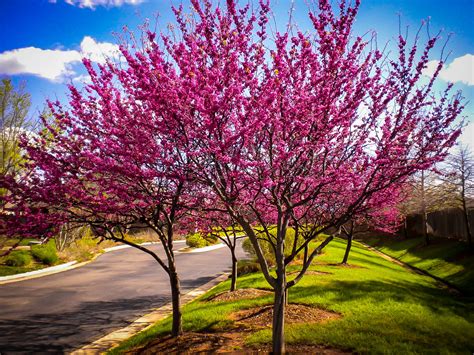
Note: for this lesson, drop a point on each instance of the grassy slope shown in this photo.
(447, 259)
(13, 270)
(81, 250)
(385, 309)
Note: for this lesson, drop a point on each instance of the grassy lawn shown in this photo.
(447, 259)
(385, 308)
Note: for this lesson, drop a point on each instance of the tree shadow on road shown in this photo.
(63, 332)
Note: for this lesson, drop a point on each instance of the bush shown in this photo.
(247, 267)
(267, 249)
(45, 253)
(199, 241)
(18, 258)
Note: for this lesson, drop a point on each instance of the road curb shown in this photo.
(114, 339)
(60, 268)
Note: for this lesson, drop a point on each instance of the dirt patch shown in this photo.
(208, 343)
(239, 294)
(261, 317)
(188, 343)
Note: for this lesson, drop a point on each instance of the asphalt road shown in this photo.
(65, 311)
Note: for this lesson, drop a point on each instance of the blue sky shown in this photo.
(42, 41)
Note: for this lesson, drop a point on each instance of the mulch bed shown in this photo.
(233, 340)
(242, 293)
(219, 343)
(261, 317)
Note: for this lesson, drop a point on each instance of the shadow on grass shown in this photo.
(373, 291)
(438, 258)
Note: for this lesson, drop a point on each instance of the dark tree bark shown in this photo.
(466, 212)
(349, 232)
(177, 326)
(348, 248)
(233, 283)
(424, 217)
(279, 305)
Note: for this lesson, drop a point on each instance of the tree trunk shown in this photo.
(466, 218)
(233, 283)
(405, 227)
(348, 248)
(177, 327)
(279, 306)
(423, 210)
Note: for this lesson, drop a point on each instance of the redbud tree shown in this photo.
(302, 129)
(287, 130)
(106, 161)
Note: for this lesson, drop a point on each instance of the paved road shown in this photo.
(65, 311)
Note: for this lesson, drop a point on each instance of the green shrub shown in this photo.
(247, 267)
(267, 248)
(45, 253)
(18, 258)
(199, 241)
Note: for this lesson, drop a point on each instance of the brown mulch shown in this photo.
(261, 317)
(233, 339)
(188, 343)
(218, 343)
(242, 293)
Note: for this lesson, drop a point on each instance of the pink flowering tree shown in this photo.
(106, 161)
(301, 128)
(212, 219)
(381, 215)
(289, 131)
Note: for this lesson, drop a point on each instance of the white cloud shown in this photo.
(467, 136)
(461, 69)
(46, 63)
(55, 64)
(92, 4)
(83, 79)
(99, 51)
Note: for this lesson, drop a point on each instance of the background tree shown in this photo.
(14, 106)
(460, 175)
(217, 223)
(426, 192)
(376, 219)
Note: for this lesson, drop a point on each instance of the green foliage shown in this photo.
(45, 253)
(14, 106)
(197, 240)
(266, 246)
(385, 308)
(247, 267)
(18, 258)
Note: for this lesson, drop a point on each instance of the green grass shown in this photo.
(13, 270)
(447, 259)
(385, 308)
